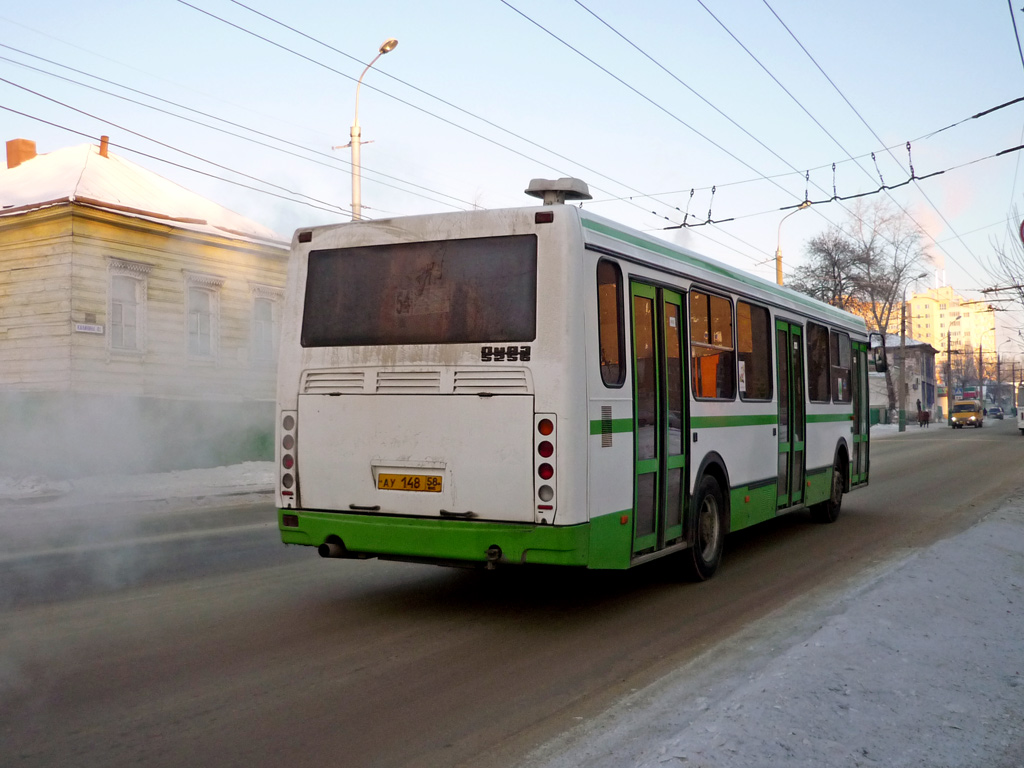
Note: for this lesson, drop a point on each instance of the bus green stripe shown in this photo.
(818, 418)
(617, 425)
(714, 422)
(665, 249)
(711, 422)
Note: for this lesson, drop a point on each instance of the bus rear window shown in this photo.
(480, 289)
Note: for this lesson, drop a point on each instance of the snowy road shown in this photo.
(809, 648)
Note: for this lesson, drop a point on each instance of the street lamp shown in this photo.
(903, 355)
(389, 45)
(778, 240)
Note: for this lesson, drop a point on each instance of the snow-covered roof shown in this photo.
(893, 340)
(82, 175)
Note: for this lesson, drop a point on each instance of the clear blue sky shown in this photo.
(478, 99)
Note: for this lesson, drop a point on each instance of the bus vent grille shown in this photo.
(408, 382)
(606, 426)
(472, 382)
(331, 382)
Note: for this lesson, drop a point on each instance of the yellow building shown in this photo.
(138, 320)
(940, 316)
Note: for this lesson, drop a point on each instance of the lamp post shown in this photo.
(903, 356)
(389, 45)
(778, 240)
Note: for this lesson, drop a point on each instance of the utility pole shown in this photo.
(903, 365)
(949, 378)
(902, 399)
(981, 373)
(999, 381)
(949, 371)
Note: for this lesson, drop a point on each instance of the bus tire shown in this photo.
(702, 559)
(828, 510)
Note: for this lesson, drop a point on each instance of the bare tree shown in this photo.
(1009, 266)
(829, 272)
(865, 265)
(890, 255)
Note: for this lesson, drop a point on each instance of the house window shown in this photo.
(266, 304)
(263, 329)
(202, 310)
(126, 311)
(200, 322)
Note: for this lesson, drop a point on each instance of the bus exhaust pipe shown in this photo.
(493, 556)
(332, 549)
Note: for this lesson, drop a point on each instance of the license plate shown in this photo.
(421, 483)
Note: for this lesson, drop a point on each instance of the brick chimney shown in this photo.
(19, 151)
(104, 141)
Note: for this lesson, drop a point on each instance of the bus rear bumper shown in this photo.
(443, 541)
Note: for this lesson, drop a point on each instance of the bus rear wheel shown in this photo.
(828, 510)
(702, 559)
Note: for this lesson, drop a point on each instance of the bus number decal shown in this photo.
(501, 354)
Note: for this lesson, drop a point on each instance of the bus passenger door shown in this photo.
(659, 388)
(792, 413)
(859, 395)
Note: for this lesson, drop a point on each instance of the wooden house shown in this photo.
(138, 320)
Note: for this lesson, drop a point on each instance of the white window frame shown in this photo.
(210, 285)
(139, 273)
(275, 296)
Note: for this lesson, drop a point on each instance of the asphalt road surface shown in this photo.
(210, 643)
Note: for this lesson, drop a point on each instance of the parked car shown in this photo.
(995, 411)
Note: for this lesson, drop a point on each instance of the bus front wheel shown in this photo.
(702, 559)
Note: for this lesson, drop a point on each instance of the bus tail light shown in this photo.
(287, 469)
(545, 460)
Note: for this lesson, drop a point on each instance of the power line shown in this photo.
(396, 98)
(866, 125)
(329, 207)
(709, 219)
(434, 97)
(163, 144)
(836, 163)
(220, 119)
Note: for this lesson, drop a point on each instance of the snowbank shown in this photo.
(250, 477)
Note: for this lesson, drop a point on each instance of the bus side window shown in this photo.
(841, 364)
(611, 333)
(754, 349)
(817, 363)
(713, 364)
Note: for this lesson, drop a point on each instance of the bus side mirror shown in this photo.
(878, 353)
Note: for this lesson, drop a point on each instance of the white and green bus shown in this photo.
(542, 385)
